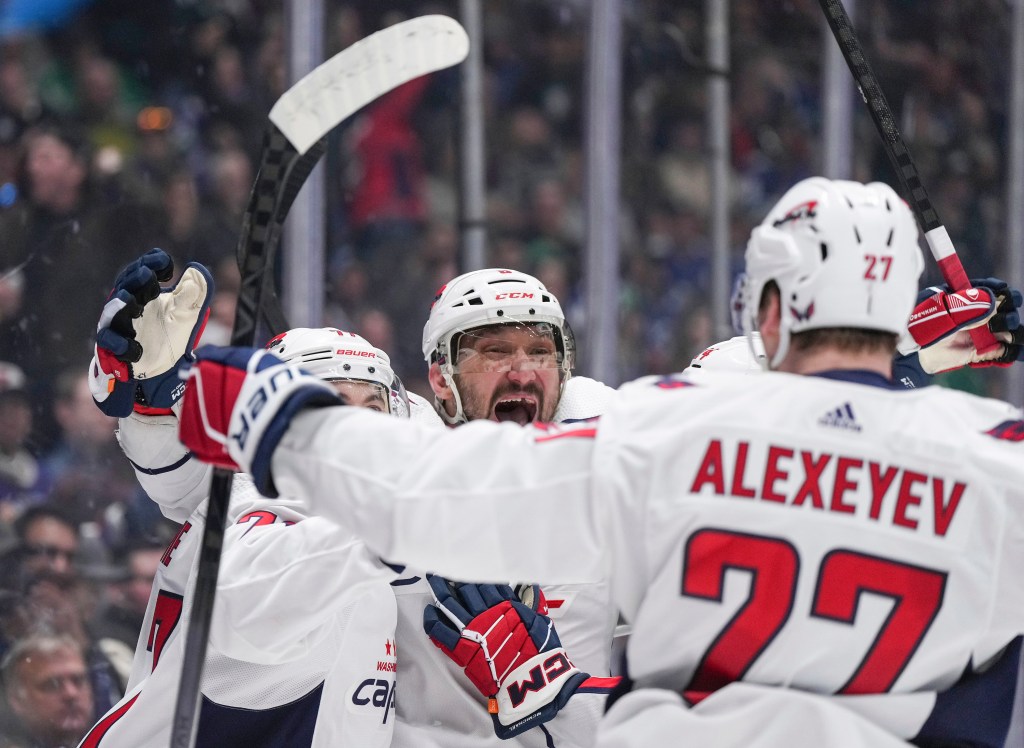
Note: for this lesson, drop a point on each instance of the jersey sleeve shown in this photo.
(284, 578)
(164, 468)
(484, 501)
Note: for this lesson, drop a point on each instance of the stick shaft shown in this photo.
(907, 175)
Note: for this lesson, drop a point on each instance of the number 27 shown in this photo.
(873, 260)
(843, 576)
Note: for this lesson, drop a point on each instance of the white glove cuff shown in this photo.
(533, 685)
(259, 402)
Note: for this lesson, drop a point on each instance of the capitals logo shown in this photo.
(376, 694)
(800, 212)
(802, 316)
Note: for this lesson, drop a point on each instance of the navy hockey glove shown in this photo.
(941, 318)
(507, 647)
(146, 333)
(238, 404)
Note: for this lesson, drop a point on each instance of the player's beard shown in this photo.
(478, 406)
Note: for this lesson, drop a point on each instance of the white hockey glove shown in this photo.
(941, 320)
(507, 647)
(238, 404)
(146, 333)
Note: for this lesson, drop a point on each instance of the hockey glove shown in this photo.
(940, 321)
(507, 647)
(238, 404)
(146, 333)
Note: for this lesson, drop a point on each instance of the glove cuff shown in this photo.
(113, 397)
(534, 692)
(263, 410)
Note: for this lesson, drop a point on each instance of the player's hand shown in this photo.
(506, 646)
(146, 333)
(941, 321)
(239, 402)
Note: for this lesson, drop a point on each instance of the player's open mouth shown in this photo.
(521, 410)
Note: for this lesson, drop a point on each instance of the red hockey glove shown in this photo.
(146, 333)
(941, 319)
(507, 647)
(238, 404)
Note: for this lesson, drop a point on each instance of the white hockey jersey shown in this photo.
(442, 708)
(837, 538)
(302, 638)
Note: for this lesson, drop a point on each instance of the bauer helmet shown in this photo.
(843, 254)
(482, 298)
(335, 355)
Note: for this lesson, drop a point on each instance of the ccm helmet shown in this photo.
(481, 298)
(843, 254)
(334, 355)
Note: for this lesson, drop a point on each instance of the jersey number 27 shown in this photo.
(843, 576)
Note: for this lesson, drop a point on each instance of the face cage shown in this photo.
(395, 397)
(565, 344)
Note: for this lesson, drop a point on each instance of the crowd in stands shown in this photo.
(137, 125)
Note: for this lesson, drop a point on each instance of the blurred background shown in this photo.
(128, 125)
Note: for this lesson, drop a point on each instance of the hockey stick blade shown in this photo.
(366, 70)
(903, 164)
(300, 120)
(328, 95)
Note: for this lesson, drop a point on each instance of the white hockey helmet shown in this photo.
(493, 296)
(333, 355)
(844, 254)
(734, 354)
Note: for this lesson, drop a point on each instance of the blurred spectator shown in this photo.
(65, 247)
(388, 200)
(232, 178)
(105, 109)
(86, 470)
(530, 154)
(555, 228)
(121, 619)
(52, 596)
(48, 541)
(347, 295)
(232, 100)
(192, 231)
(21, 478)
(47, 691)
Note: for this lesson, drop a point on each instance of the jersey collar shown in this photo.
(860, 376)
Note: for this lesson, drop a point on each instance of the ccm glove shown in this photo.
(941, 318)
(507, 647)
(238, 404)
(146, 333)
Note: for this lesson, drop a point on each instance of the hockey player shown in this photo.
(302, 644)
(499, 348)
(808, 556)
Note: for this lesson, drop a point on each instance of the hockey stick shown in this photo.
(935, 233)
(299, 122)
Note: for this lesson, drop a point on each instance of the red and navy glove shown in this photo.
(941, 319)
(146, 333)
(239, 402)
(507, 647)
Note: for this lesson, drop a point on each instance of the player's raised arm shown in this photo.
(496, 501)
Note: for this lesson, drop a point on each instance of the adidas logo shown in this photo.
(840, 418)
